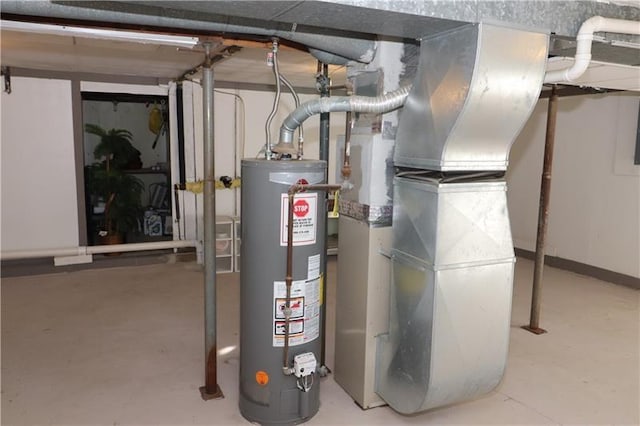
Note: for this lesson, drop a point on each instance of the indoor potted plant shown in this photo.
(107, 182)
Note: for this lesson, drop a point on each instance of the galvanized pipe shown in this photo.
(210, 390)
(543, 214)
(293, 190)
(323, 69)
(276, 99)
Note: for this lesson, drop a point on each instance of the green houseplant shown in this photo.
(107, 181)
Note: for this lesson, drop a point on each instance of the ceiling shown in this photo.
(615, 66)
(78, 54)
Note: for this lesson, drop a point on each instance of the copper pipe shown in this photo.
(543, 214)
(293, 190)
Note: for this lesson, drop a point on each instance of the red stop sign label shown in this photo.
(300, 208)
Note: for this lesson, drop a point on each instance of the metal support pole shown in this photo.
(210, 390)
(323, 84)
(543, 214)
(180, 111)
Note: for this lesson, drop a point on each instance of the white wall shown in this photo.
(39, 200)
(259, 106)
(595, 193)
(248, 137)
(595, 203)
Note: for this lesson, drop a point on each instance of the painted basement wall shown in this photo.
(250, 137)
(39, 200)
(595, 204)
(595, 194)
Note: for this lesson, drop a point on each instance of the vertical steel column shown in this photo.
(180, 110)
(210, 390)
(324, 83)
(543, 214)
(324, 117)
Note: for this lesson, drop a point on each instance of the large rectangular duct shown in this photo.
(452, 263)
(452, 252)
(475, 88)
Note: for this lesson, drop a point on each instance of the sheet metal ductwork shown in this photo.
(452, 252)
(475, 88)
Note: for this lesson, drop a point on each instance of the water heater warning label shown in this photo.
(304, 219)
(304, 323)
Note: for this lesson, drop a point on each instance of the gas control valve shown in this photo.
(304, 364)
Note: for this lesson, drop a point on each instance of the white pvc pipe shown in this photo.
(84, 250)
(583, 47)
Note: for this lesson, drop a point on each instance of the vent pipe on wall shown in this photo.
(583, 48)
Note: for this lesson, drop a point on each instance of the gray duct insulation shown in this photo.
(323, 46)
(374, 105)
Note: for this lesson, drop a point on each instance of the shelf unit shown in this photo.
(237, 236)
(224, 244)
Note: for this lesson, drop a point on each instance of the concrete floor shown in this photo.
(124, 346)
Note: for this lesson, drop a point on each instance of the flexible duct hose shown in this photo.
(374, 105)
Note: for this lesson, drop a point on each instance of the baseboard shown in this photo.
(41, 266)
(584, 269)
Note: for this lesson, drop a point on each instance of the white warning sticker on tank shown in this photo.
(304, 219)
(304, 323)
(313, 267)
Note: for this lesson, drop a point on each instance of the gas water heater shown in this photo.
(280, 385)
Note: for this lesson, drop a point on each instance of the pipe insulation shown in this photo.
(324, 45)
(583, 47)
(374, 105)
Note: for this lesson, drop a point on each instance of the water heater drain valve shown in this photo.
(304, 364)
